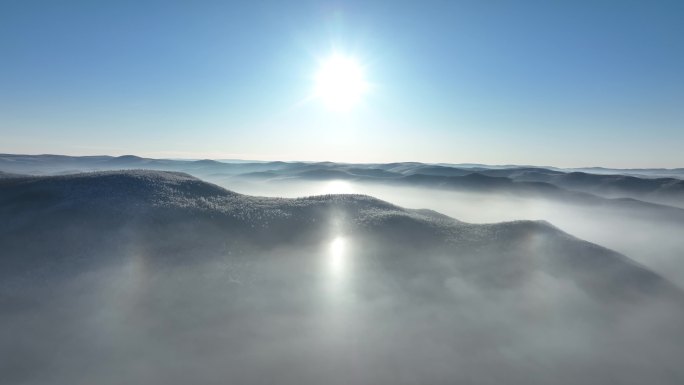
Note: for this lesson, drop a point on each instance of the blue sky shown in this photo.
(572, 83)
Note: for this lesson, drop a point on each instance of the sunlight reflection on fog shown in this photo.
(337, 187)
(338, 272)
(337, 260)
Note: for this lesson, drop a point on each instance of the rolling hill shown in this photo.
(159, 277)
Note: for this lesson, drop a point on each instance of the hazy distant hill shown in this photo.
(529, 180)
(661, 190)
(9, 175)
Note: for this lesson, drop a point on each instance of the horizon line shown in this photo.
(245, 160)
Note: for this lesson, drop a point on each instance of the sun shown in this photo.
(340, 82)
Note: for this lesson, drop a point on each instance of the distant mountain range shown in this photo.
(645, 185)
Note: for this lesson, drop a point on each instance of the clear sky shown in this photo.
(562, 83)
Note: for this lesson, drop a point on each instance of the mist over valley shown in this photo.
(110, 266)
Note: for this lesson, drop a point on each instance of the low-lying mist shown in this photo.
(323, 314)
(160, 278)
(653, 241)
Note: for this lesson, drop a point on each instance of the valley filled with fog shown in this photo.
(132, 270)
(650, 238)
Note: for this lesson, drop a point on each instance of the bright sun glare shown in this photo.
(340, 82)
(337, 187)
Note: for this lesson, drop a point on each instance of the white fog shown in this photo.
(655, 242)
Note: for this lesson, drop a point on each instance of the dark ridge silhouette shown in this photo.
(440, 171)
(372, 172)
